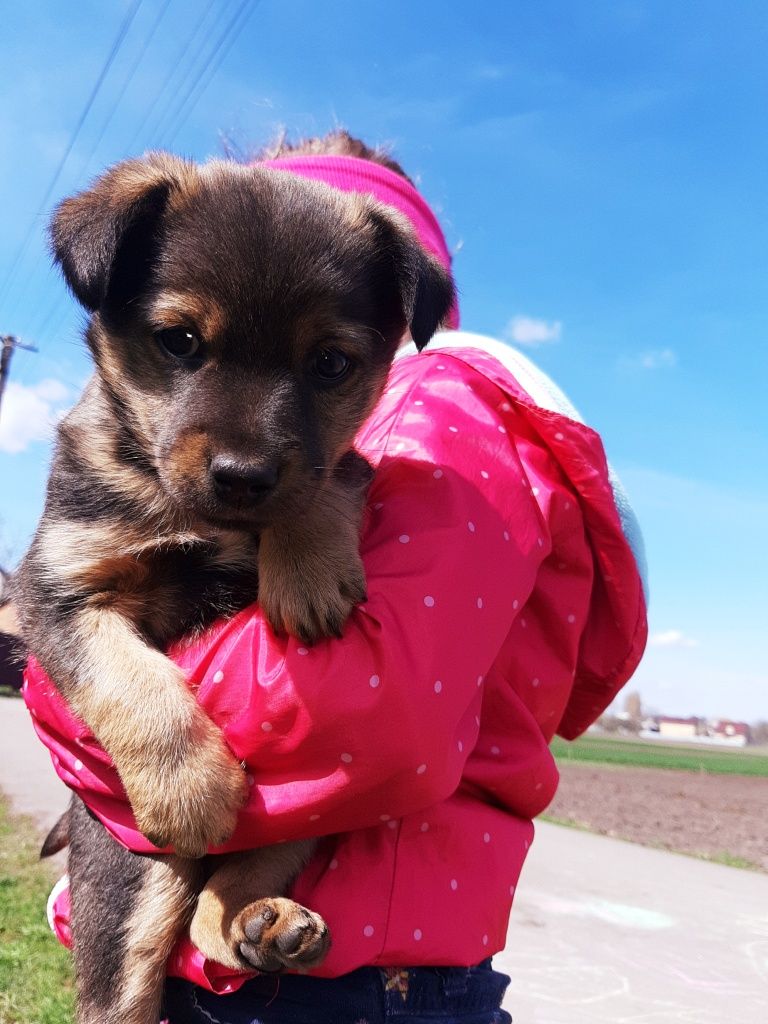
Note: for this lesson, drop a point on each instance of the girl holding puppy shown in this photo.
(505, 604)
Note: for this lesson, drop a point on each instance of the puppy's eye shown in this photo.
(330, 365)
(178, 342)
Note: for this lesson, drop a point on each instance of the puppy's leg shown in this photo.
(127, 912)
(310, 572)
(241, 921)
(183, 784)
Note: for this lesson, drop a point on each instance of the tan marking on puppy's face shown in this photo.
(188, 460)
(186, 309)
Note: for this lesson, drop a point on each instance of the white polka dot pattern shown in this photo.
(450, 511)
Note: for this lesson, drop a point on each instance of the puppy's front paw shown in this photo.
(189, 798)
(314, 599)
(275, 934)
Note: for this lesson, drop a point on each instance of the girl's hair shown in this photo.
(335, 143)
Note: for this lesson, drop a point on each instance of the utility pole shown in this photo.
(10, 344)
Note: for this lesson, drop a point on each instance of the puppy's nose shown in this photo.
(237, 481)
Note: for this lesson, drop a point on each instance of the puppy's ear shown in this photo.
(428, 296)
(426, 287)
(103, 238)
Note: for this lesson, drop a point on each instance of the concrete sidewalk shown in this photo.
(26, 772)
(603, 932)
(606, 932)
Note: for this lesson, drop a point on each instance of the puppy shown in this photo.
(242, 324)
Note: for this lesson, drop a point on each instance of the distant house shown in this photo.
(678, 728)
(736, 733)
(697, 730)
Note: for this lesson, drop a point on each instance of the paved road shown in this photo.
(603, 932)
(26, 773)
(606, 932)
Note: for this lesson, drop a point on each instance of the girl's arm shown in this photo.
(379, 723)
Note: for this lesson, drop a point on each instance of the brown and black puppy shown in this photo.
(242, 325)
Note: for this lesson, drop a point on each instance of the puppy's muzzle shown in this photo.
(237, 482)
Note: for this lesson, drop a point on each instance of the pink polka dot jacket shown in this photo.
(505, 605)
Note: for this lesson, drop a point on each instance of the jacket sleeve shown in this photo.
(378, 724)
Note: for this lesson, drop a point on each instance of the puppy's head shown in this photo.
(243, 322)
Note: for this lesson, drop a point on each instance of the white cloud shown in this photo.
(29, 414)
(672, 638)
(658, 359)
(525, 330)
(653, 359)
(491, 72)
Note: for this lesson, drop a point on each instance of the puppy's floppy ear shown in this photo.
(426, 287)
(103, 238)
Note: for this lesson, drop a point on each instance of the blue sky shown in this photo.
(600, 170)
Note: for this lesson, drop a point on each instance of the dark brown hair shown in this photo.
(335, 143)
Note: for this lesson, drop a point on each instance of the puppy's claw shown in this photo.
(278, 933)
(310, 616)
(192, 852)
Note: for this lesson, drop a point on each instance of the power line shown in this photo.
(191, 76)
(52, 314)
(131, 74)
(22, 250)
(177, 64)
(181, 110)
(49, 315)
(222, 48)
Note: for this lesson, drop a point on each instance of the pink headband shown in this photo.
(352, 174)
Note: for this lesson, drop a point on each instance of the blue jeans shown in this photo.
(414, 995)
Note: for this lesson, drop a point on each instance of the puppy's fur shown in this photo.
(242, 324)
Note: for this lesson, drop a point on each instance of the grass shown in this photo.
(36, 984)
(654, 754)
(731, 860)
(553, 819)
